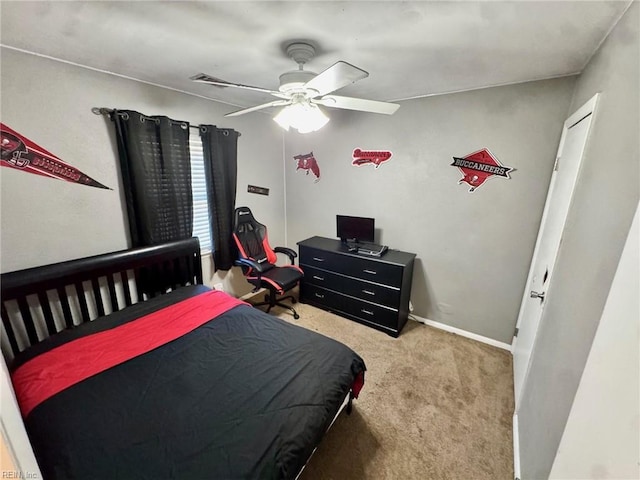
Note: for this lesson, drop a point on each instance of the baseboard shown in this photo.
(516, 448)
(462, 333)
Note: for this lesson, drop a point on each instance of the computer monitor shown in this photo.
(355, 229)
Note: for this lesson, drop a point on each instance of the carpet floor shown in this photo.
(434, 406)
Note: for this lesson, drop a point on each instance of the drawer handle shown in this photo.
(368, 312)
(370, 272)
(369, 292)
(318, 259)
(319, 296)
(318, 278)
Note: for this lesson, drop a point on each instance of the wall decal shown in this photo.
(370, 157)
(21, 153)
(308, 163)
(479, 166)
(258, 190)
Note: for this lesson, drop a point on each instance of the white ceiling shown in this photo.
(409, 48)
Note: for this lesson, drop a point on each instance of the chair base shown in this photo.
(272, 301)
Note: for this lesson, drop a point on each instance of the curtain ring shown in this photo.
(157, 121)
(204, 129)
(124, 115)
(225, 133)
(142, 119)
(184, 125)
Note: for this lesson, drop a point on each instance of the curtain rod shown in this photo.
(109, 111)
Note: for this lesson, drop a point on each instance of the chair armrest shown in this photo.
(245, 262)
(288, 252)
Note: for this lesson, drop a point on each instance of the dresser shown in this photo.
(370, 290)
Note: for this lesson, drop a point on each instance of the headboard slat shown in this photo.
(97, 295)
(66, 308)
(48, 314)
(30, 327)
(127, 290)
(84, 309)
(6, 321)
(112, 293)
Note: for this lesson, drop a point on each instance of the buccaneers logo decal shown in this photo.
(370, 157)
(479, 166)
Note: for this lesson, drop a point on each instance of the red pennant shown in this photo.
(22, 154)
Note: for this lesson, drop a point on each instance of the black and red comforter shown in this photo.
(241, 395)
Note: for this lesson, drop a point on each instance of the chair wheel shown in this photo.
(267, 298)
(296, 316)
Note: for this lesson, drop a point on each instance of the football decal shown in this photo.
(308, 163)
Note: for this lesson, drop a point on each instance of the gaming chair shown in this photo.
(258, 261)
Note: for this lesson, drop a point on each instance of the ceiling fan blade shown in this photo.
(204, 78)
(360, 104)
(338, 75)
(275, 103)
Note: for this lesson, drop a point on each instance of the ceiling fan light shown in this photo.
(304, 117)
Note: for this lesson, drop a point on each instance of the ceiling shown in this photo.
(409, 48)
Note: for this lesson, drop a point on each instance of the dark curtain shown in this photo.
(156, 174)
(220, 151)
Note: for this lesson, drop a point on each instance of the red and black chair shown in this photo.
(258, 261)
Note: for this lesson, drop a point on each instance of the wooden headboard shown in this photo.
(40, 301)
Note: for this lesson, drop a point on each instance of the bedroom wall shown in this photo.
(46, 220)
(473, 249)
(604, 202)
(602, 436)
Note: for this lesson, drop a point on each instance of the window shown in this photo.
(201, 228)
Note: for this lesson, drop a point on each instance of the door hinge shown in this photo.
(556, 165)
(515, 332)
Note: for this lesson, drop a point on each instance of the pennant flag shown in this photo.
(21, 153)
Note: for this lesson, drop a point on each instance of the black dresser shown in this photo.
(370, 290)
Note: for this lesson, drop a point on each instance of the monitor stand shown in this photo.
(351, 245)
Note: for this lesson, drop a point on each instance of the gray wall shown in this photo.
(473, 249)
(602, 436)
(597, 225)
(46, 220)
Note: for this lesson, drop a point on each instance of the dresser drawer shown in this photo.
(369, 291)
(368, 312)
(374, 271)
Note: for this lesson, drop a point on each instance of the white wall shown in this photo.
(602, 437)
(473, 249)
(604, 202)
(46, 220)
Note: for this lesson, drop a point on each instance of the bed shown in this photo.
(126, 366)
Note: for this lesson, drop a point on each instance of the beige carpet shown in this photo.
(434, 406)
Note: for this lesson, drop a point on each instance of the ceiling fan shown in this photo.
(303, 90)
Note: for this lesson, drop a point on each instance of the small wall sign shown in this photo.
(308, 163)
(370, 157)
(477, 167)
(258, 190)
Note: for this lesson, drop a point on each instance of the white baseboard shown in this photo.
(462, 333)
(516, 448)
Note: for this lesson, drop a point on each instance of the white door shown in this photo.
(563, 180)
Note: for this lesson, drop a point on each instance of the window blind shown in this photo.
(201, 227)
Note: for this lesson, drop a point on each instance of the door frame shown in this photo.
(589, 108)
